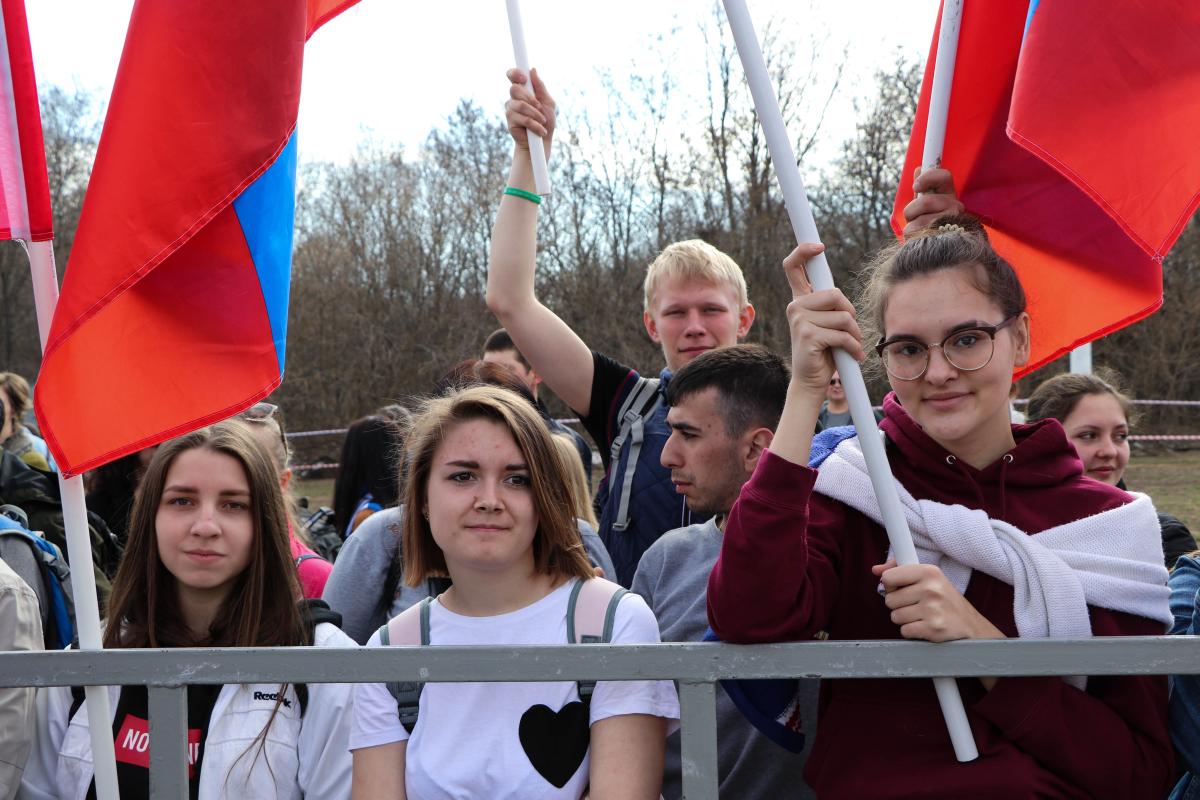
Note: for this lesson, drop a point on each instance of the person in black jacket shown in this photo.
(1097, 416)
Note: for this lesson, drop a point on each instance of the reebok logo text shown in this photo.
(273, 697)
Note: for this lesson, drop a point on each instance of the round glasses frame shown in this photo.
(989, 330)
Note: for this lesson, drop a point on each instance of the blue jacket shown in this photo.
(1185, 689)
(654, 505)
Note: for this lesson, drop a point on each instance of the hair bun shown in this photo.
(958, 223)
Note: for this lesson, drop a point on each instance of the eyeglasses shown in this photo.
(966, 349)
(264, 413)
(835, 381)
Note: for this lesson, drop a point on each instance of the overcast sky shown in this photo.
(393, 70)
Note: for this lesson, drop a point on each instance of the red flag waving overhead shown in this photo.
(1072, 134)
(24, 190)
(173, 311)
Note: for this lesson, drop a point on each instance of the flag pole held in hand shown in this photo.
(537, 150)
(805, 228)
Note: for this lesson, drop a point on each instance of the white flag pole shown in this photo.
(79, 540)
(805, 229)
(1081, 359)
(943, 79)
(79, 545)
(537, 150)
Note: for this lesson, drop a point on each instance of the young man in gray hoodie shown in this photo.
(724, 407)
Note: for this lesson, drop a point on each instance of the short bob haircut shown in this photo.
(557, 548)
(261, 609)
(694, 260)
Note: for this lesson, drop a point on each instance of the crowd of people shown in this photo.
(733, 503)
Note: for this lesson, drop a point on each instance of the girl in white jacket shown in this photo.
(208, 565)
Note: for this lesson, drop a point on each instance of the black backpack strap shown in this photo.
(313, 612)
(639, 404)
(407, 629)
(300, 559)
(78, 696)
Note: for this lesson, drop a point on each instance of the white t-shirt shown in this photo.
(482, 739)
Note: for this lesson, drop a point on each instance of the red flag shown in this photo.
(1071, 133)
(24, 190)
(173, 311)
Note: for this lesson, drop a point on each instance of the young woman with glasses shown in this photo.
(1014, 541)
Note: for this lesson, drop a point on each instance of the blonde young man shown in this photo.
(695, 301)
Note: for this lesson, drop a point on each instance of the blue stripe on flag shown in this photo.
(267, 212)
(1033, 4)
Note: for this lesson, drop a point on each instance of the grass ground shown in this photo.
(319, 492)
(1171, 478)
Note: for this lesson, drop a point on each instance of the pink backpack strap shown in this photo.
(408, 628)
(592, 611)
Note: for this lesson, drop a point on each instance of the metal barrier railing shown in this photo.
(696, 667)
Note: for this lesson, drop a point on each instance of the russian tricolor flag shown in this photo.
(173, 311)
(1072, 133)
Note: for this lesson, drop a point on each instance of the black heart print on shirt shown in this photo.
(555, 742)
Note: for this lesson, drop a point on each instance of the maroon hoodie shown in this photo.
(794, 564)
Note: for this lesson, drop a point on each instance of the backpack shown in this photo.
(37, 494)
(326, 541)
(591, 613)
(59, 630)
(641, 403)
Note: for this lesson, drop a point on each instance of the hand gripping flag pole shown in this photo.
(805, 229)
(26, 218)
(537, 150)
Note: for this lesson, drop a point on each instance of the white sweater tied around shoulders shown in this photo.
(1111, 560)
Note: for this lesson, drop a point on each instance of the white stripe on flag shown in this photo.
(15, 213)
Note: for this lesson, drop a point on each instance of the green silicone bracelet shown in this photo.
(536, 199)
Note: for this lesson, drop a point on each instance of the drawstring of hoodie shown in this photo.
(1004, 462)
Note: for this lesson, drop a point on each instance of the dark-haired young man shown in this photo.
(724, 407)
(499, 349)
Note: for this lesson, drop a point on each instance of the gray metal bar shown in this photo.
(1130, 655)
(168, 742)
(698, 740)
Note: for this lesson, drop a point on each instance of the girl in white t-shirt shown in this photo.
(495, 515)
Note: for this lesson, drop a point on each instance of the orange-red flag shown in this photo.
(1072, 135)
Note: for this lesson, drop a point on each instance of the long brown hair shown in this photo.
(260, 611)
(557, 548)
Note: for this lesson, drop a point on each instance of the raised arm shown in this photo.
(935, 198)
(548, 343)
(818, 321)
